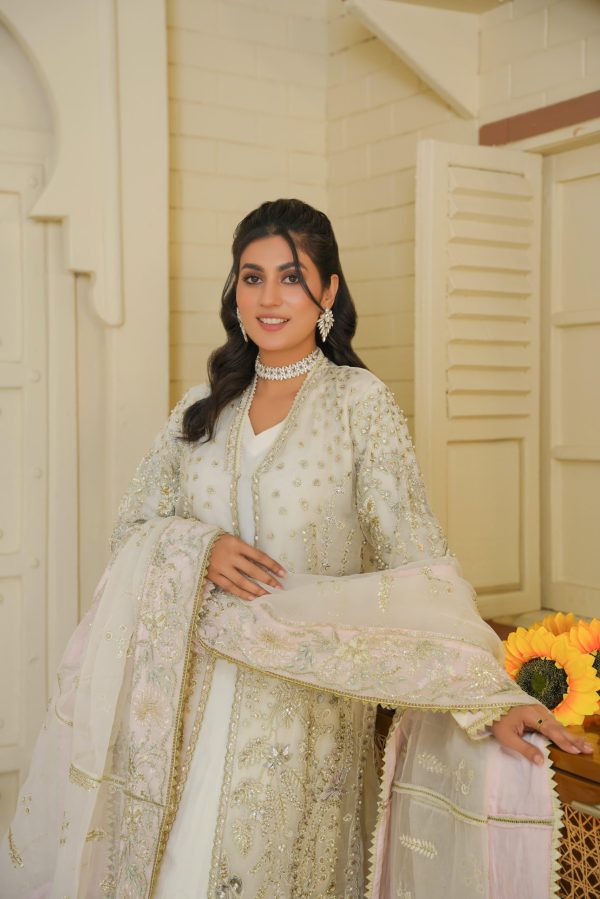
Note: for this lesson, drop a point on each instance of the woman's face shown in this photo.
(276, 312)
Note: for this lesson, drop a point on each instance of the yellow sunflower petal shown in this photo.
(557, 624)
(586, 635)
(583, 684)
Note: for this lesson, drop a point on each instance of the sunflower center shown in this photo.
(542, 679)
(597, 662)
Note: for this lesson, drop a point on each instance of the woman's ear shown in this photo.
(330, 291)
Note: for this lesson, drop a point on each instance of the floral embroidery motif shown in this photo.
(385, 587)
(416, 844)
(431, 763)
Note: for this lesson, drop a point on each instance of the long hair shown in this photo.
(231, 366)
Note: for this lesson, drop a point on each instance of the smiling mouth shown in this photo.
(267, 320)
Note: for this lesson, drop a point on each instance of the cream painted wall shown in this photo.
(271, 98)
(537, 52)
(247, 87)
(532, 53)
(377, 111)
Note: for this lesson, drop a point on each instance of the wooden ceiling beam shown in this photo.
(440, 45)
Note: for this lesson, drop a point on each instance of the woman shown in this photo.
(277, 572)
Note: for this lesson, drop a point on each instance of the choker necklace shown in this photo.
(283, 372)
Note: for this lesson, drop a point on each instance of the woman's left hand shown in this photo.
(509, 730)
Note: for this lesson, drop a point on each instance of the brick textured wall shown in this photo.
(377, 111)
(247, 87)
(275, 97)
(537, 52)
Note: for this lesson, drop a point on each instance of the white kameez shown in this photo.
(339, 501)
(185, 868)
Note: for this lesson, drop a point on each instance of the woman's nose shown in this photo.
(270, 294)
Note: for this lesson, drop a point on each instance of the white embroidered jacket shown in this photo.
(339, 492)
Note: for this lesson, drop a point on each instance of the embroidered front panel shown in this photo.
(294, 782)
(339, 491)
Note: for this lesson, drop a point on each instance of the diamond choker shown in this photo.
(283, 372)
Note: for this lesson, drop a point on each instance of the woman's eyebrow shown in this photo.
(280, 268)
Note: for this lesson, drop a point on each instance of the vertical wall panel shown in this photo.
(477, 362)
(571, 335)
(11, 287)
(23, 469)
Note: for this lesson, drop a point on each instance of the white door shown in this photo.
(571, 381)
(477, 351)
(23, 476)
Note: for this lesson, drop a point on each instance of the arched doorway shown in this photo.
(83, 318)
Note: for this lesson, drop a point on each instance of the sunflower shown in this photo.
(586, 637)
(554, 671)
(557, 624)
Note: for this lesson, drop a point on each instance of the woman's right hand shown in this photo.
(233, 562)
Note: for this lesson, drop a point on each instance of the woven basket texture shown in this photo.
(580, 855)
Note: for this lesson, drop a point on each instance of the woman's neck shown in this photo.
(287, 356)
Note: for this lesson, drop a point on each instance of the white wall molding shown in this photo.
(72, 44)
(107, 184)
(440, 45)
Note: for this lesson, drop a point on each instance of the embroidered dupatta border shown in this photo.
(387, 783)
(177, 774)
(496, 709)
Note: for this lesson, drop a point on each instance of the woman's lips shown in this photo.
(271, 326)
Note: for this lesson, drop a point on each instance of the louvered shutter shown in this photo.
(478, 214)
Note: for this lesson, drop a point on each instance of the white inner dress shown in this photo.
(185, 868)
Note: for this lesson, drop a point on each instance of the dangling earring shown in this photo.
(325, 323)
(241, 324)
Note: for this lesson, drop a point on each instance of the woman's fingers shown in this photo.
(509, 728)
(252, 569)
(234, 562)
(553, 729)
(261, 558)
(219, 580)
(561, 736)
(512, 740)
(238, 578)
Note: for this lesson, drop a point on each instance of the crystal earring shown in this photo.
(325, 323)
(241, 324)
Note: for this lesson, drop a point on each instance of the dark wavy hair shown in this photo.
(231, 366)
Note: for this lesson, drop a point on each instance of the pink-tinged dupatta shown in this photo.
(106, 772)
(457, 815)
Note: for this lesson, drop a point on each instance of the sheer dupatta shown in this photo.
(109, 763)
(458, 814)
(120, 728)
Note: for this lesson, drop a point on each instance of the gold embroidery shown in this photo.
(175, 781)
(383, 594)
(63, 830)
(81, 779)
(14, 854)
(355, 651)
(95, 834)
(225, 786)
(158, 476)
(416, 844)
(438, 799)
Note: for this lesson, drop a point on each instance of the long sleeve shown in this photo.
(155, 487)
(391, 500)
(392, 504)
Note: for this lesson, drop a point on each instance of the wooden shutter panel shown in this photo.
(477, 355)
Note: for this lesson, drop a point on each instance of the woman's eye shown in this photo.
(295, 277)
(248, 280)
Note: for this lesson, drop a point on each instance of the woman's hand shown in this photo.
(509, 730)
(233, 562)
